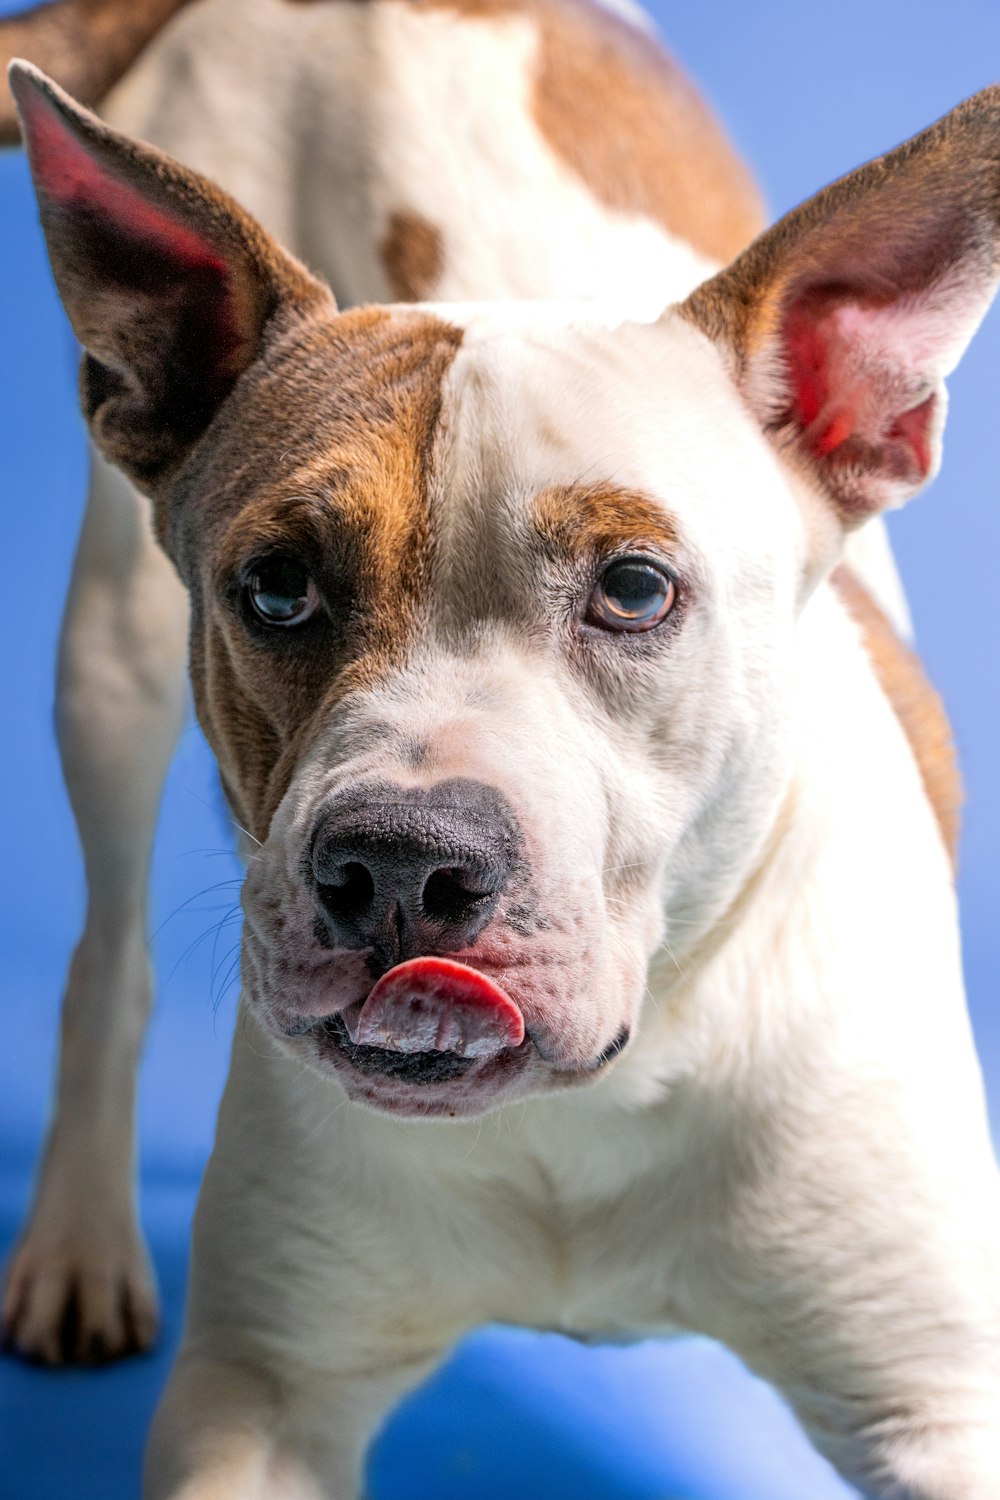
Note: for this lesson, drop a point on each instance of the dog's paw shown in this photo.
(80, 1298)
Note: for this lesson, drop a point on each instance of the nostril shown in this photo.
(450, 894)
(348, 890)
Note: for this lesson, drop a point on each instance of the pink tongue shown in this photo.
(436, 1005)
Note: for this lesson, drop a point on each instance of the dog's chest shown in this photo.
(577, 1231)
(614, 1275)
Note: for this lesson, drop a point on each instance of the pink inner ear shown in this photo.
(857, 374)
(71, 176)
(914, 429)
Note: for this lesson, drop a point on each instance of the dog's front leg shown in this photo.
(324, 1285)
(226, 1430)
(847, 1246)
(80, 1286)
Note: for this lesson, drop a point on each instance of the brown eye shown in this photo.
(632, 594)
(280, 591)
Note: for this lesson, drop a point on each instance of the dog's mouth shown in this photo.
(409, 1067)
(427, 1022)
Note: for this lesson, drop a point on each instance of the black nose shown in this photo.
(407, 871)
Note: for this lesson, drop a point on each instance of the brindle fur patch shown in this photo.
(622, 115)
(619, 112)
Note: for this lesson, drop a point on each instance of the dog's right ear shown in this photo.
(171, 288)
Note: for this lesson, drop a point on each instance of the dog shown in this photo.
(390, 200)
(524, 641)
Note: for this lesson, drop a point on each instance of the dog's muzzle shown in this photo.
(411, 874)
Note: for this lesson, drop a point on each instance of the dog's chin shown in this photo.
(419, 1084)
(423, 1085)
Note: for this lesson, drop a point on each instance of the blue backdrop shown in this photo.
(808, 91)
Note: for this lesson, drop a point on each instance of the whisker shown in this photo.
(218, 885)
(217, 962)
(212, 807)
(674, 959)
(196, 943)
(212, 853)
(232, 975)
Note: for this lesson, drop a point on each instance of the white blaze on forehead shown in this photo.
(643, 407)
(627, 397)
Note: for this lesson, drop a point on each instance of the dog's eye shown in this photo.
(632, 594)
(281, 591)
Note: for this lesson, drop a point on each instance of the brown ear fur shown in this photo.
(169, 285)
(843, 319)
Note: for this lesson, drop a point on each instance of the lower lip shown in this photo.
(462, 1086)
(421, 1068)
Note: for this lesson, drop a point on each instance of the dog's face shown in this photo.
(494, 653)
(497, 616)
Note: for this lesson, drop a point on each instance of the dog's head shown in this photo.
(497, 614)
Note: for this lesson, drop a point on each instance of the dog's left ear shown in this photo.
(172, 289)
(843, 319)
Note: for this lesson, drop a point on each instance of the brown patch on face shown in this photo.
(85, 45)
(218, 375)
(591, 520)
(326, 457)
(412, 252)
(619, 112)
(915, 703)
